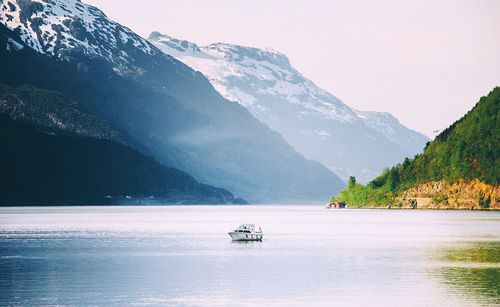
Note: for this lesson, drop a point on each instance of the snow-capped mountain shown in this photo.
(315, 122)
(390, 127)
(161, 106)
(61, 28)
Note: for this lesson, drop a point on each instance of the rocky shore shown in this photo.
(460, 195)
(441, 195)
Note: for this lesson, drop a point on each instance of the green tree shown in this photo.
(352, 181)
(468, 149)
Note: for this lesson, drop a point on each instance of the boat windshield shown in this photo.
(247, 228)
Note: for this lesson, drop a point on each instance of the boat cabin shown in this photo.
(246, 232)
(246, 228)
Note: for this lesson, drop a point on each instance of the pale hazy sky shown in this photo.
(425, 61)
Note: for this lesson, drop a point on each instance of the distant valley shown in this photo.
(315, 122)
(112, 118)
(120, 87)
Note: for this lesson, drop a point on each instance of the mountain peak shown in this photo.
(311, 119)
(230, 52)
(179, 45)
(256, 72)
(58, 28)
(238, 53)
(155, 35)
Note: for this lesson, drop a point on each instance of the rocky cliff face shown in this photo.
(460, 195)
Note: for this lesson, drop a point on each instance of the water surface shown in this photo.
(182, 255)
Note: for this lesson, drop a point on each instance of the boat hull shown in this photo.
(241, 236)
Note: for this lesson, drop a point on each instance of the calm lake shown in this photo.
(182, 255)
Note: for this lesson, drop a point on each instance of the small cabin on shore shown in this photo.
(336, 205)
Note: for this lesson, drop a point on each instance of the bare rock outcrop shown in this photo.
(460, 195)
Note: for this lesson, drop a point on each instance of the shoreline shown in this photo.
(421, 209)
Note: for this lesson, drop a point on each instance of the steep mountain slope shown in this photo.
(315, 122)
(461, 167)
(161, 106)
(50, 111)
(61, 28)
(38, 167)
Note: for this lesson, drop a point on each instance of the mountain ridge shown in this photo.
(311, 119)
(164, 108)
(50, 165)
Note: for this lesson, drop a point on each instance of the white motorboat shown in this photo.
(246, 232)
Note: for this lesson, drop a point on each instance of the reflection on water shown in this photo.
(472, 268)
(120, 256)
(474, 252)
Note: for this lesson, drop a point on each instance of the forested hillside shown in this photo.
(44, 168)
(467, 150)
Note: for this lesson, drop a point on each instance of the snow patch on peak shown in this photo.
(250, 76)
(238, 53)
(54, 27)
(13, 45)
(389, 126)
(322, 133)
(383, 122)
(376, 115)
(177, 45)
